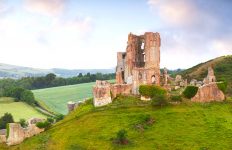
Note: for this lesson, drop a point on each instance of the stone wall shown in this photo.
(101, 93)
(3, 136)
(17, 134)
(124, 89)
(209, 92)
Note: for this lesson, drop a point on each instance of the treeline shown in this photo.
(50, 80)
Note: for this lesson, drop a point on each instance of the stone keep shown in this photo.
(101, 93)
(140, 64)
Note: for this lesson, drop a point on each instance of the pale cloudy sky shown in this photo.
(76, 34)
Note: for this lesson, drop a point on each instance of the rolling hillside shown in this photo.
(185, 126)
(222, 68)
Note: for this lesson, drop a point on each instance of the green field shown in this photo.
(56, 98)
(18, 109)
(184, 126)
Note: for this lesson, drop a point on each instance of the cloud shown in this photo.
(45, 7)
(180, 12)
(197, 29)
(44, 42)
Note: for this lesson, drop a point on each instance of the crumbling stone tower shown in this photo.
(140, 64)
(210, 77)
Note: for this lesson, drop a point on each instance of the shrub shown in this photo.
(144, 122)
(23, 123)
(50, 120)
(159, 100)
(4, 120)
(222, 86)
(43, 125)
(176, 98)
(190, 91)
(121, 137)
(59, 117)
(151, 90)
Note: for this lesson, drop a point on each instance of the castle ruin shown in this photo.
(140, 64)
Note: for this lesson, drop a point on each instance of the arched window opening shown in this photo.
(153, 80)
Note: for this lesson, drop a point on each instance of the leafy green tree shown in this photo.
(50, 77)
(80, 75)
(28, 97)
(4, 120)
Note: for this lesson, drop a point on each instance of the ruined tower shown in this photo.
(140, 64)
(210, 77)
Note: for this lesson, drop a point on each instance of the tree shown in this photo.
(28, 97)
(50, 77)
(4, 120)
(80, 75)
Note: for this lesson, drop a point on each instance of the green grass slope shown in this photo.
(222, 68)
(185, 126)
(55, 99)
(19, 110)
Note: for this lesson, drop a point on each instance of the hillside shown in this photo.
(184, 126)
(222, 68)
(13, 71)
(19, 110)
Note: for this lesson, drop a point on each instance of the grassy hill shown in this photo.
(56, 98)
(19, 110)
(222, 68)
(185, 126)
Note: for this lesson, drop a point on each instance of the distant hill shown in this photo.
(222, 68)
(13, 71)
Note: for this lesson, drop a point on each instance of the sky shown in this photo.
(87, 34)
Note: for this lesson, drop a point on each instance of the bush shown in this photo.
(4, 120)
(121, 137)
(151, 90)
(23, 123)
(159, 100)
(176, 98)
(43, 125)
(145, 120)
(50, 120)
(59, 117)
(190, 91)
(222, 86)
